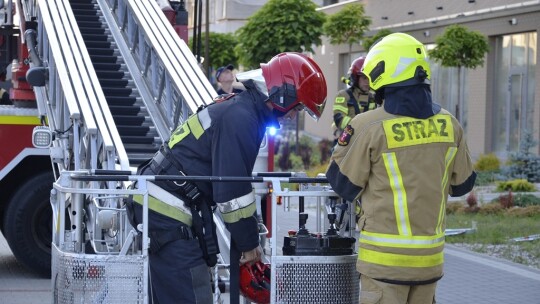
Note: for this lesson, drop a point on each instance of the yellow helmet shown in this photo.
(394, 61)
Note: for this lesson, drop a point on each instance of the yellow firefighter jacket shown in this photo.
(403, 169)
(349, 103)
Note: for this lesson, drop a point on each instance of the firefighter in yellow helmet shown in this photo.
(354, 100)
(403, 160)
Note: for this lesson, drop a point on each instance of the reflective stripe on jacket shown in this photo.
(165, 203)
(238, 208)
(403, 168)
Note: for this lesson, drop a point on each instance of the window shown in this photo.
(513, 104)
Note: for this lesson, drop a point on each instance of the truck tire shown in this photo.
(28, 224)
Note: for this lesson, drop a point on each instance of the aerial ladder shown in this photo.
(112, 79)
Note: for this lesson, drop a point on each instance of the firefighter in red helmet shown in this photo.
(222, 139)
(354, 100)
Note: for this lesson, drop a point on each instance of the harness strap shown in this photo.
(354, 101)
(163, 163)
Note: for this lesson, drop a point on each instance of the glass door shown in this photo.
(516, 105)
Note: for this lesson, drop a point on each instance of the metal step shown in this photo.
(121, 100)
(131, 117)
(130, 120)
(101, 52)
(97, 37)
(111, 74)
(115, 82)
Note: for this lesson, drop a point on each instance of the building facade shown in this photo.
(501, 98)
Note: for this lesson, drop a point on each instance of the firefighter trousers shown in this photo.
(178, 274)
(178, 271)
(377, 292)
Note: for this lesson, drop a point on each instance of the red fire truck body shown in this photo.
(25, 183)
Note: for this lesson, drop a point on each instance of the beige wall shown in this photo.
(328, 60)
(537, 89)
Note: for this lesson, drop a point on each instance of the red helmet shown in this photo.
(356, 69)
(255, 282)
(293, 78)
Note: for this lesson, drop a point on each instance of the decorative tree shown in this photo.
(347, 26)
(525, 163)
(279, 26)
(462, 48)
(369, 41)
(221, 51)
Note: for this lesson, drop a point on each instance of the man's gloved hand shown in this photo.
(251, 256)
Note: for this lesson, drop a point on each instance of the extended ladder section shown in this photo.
(119, 81)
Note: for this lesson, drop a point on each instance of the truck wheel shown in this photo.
(28, 224)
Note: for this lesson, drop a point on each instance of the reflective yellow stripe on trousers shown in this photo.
(401, 241)
(400, 260)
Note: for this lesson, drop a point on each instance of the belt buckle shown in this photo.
(186, 232)
(182, 184)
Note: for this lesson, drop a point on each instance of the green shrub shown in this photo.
(452, 208)
(491, 208)
(516, 185)
(307, 150)
(297, 164)
(529, 211)
(484, 178)
(315, 170)
(487, 162)
(300, 155)
(524, 163)
(524, 200)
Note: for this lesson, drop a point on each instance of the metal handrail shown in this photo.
(164, 69)
(62, 100)
(97, 99)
